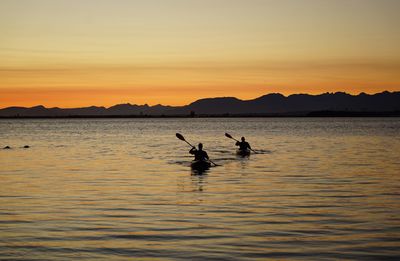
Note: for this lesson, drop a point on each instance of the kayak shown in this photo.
(243, 152)
(200, 164)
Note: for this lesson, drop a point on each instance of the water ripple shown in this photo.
(122, 189)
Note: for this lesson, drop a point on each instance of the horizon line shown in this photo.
(219, 97)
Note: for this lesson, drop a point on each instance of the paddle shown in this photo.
(180, 136)
(230, 136)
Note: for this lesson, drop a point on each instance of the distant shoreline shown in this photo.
(228, 115)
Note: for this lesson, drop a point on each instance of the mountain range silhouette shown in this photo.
(270, 104)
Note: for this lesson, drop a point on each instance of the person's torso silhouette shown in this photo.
(243, 145)
(199, 154)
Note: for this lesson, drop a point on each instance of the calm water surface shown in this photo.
(116, 189)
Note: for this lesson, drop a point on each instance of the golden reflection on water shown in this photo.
(114, 191)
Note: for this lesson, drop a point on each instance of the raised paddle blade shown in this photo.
(180, 136)
(228, 135)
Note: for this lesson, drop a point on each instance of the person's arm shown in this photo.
(192, 150)
(248, 145)
(237, 143)
(206, 155)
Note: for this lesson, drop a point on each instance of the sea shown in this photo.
(123, 189)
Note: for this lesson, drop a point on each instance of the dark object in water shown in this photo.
(180, 136)
(243, 153)
(26, 147)
(243, 145)
(200, 165)
(6, 148)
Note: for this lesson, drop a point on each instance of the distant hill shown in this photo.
(270, 104)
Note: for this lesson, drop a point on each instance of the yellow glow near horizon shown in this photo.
(103, 52)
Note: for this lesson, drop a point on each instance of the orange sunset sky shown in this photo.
(71, 53)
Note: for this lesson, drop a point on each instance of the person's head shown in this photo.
(243, 139)
(200, 146)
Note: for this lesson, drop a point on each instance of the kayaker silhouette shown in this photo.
(243, 145)
(201, 162)
(199, 154)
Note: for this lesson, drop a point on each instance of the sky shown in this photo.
(73, 53)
